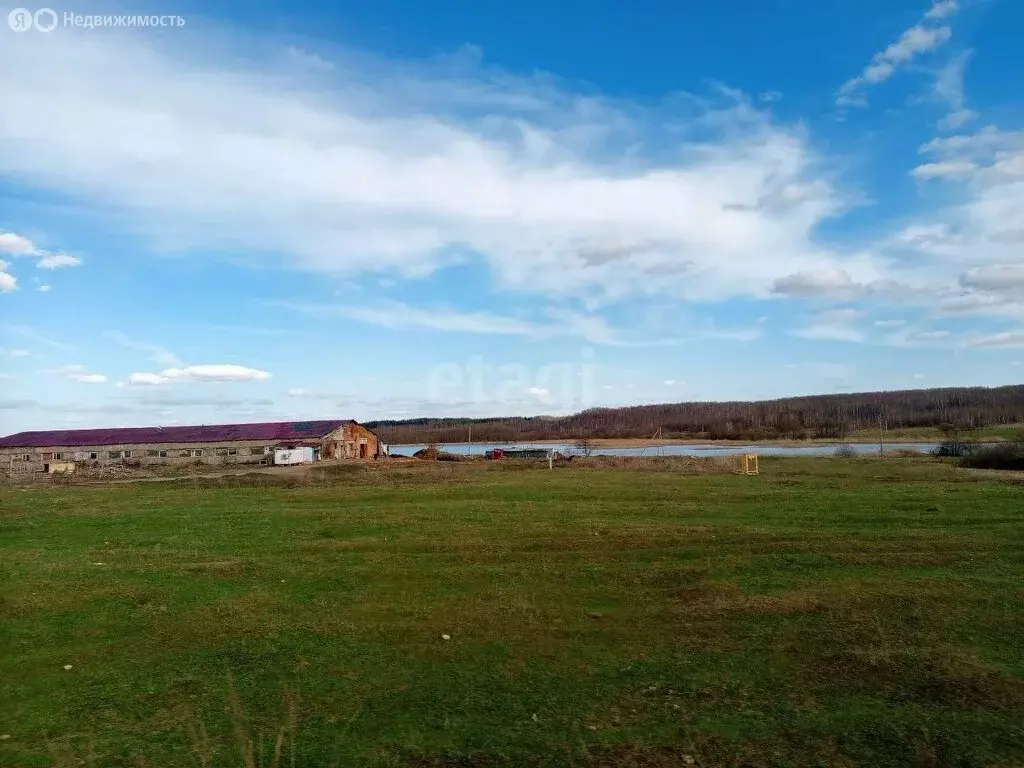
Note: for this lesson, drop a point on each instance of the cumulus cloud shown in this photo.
(8, 282)
(58, 261)
(18, 245)
(982, 231)
(200, 373)
(15, 244)
(927, 35)
(813, 282)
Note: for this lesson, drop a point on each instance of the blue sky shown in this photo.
(397, 209)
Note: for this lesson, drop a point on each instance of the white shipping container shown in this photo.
(293, 456)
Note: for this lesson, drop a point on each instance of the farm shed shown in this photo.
(208, 444)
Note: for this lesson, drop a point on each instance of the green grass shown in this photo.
(934, 434)
(824, 613)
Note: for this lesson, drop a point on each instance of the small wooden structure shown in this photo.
(747, 464)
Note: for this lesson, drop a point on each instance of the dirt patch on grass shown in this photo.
(716, 598)
(362, 544)
(704, 750)
(683, 464)
(231, 566)
(935, 681)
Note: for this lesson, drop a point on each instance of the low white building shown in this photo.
(302, 455)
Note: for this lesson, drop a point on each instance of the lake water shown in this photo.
(762, 449)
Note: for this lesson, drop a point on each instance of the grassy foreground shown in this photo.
(827, 613)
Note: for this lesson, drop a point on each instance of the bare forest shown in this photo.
(794, 418)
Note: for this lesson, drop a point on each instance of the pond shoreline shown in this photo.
(640, 442)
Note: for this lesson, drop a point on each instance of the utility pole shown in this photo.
(881, 434)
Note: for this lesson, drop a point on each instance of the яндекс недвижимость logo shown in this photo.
(22, 19)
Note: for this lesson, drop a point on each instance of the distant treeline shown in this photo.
(811, 417)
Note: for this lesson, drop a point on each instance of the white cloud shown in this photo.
(18, 245)
(44, 288)
(146, 379)
(921, 38)
(979, 235)
(15, 244)
(337, 169)
(8, 282)
(400, 316)
(58, 261)
(995, 278)
(813, 282)
(949, 88)
(200, 373)
(1005, 339)
(890, 323)
(941, 9)
(80, 374)
(944, 169)
(957, 119)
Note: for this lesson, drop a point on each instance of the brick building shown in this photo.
(220, 444)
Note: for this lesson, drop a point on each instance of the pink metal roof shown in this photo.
(275, 431)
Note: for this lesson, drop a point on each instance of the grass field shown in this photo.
(934, 434)
(826, 613)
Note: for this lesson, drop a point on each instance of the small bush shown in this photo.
(999, 456)
(845, 452)
(953, 449)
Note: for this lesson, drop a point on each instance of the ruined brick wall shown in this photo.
(351, 441)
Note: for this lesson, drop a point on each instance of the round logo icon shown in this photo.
(20, 19)
(45, 19)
